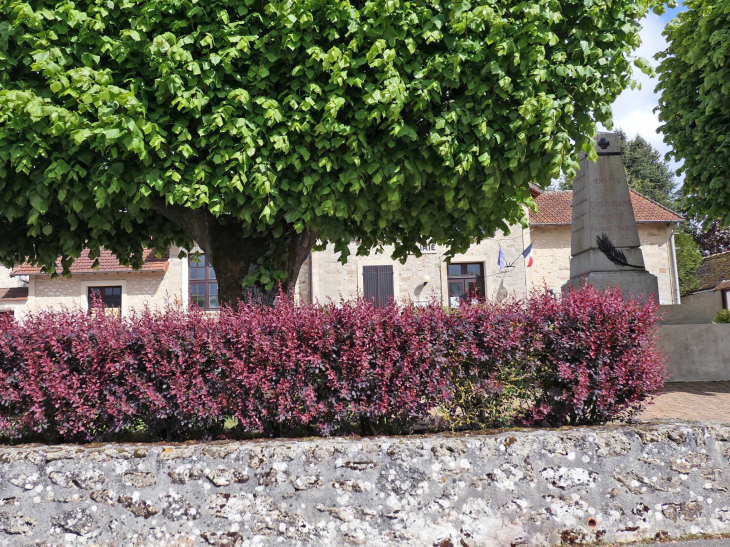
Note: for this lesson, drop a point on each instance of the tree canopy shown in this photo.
(693, 103)
(711, 237)
(258, 128)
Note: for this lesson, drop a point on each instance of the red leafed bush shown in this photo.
(586, 358)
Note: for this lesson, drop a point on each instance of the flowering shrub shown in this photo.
(586, 358)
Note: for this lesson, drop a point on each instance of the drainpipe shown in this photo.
(675, 274)
(185, 284)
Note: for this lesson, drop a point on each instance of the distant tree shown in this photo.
(646, 171)
(693, 103)
(713, 239)
(564, 183)
(688, 260)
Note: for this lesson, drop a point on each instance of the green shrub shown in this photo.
(722, 317)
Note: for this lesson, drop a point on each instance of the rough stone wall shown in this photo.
(551, 247)
(331, 280)
(655, 246)
(536, 488)
(552, 256)
(139, 288)
(6, 281)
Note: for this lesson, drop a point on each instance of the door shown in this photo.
(378, 284)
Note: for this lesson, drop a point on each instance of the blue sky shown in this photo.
(633, 110)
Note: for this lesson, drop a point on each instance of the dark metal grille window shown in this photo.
(378, 284)
(110, 298)
(465, 281)
(203, 283)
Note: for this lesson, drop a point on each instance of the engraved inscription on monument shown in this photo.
(602, 209)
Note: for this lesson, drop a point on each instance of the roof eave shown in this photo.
(536, 224)
(86, 272)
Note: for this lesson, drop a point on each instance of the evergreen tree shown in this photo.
(646, 172)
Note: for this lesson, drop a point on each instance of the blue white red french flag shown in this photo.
(527, 253)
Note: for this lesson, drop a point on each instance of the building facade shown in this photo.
(713, 291)
(170, 280)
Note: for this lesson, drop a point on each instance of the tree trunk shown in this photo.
(234, 256)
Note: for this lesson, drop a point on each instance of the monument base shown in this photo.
(640, 283)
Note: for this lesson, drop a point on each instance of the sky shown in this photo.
(633, 110)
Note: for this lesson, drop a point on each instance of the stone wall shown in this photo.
(6, 281)
(537, 488)
(696, 308)
(139, 288)
(327, 279)
(552, 256)
(696, 353)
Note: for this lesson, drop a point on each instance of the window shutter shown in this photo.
(378, 284)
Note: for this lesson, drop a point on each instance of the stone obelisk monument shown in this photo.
(605, 247)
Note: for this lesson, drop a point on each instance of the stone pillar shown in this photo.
(602, 207)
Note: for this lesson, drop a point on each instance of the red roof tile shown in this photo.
(557, 208)
(14, 293)
(108, 263)
(714, 272)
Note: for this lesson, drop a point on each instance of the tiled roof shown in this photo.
(14, 293)
(724, 286)
(108, 263)
(714, 272)
(557, 208)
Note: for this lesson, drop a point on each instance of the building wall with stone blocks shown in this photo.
(6, 281)
(139, 289)
(552, 256)
(325, 278)
(576, 486)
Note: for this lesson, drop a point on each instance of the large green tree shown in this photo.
(259, 128)
(693, 104)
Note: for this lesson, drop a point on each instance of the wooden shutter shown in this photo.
(378, 284)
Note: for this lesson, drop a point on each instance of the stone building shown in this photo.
(176, 281)
(713, 292)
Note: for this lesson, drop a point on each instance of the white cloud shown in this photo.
(633, 111)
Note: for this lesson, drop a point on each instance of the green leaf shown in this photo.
(375, 123)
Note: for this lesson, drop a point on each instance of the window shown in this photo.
(110, 298)
(203, 283)
(378, 284)
(465, 281)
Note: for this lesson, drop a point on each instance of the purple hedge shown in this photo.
(586, 358)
